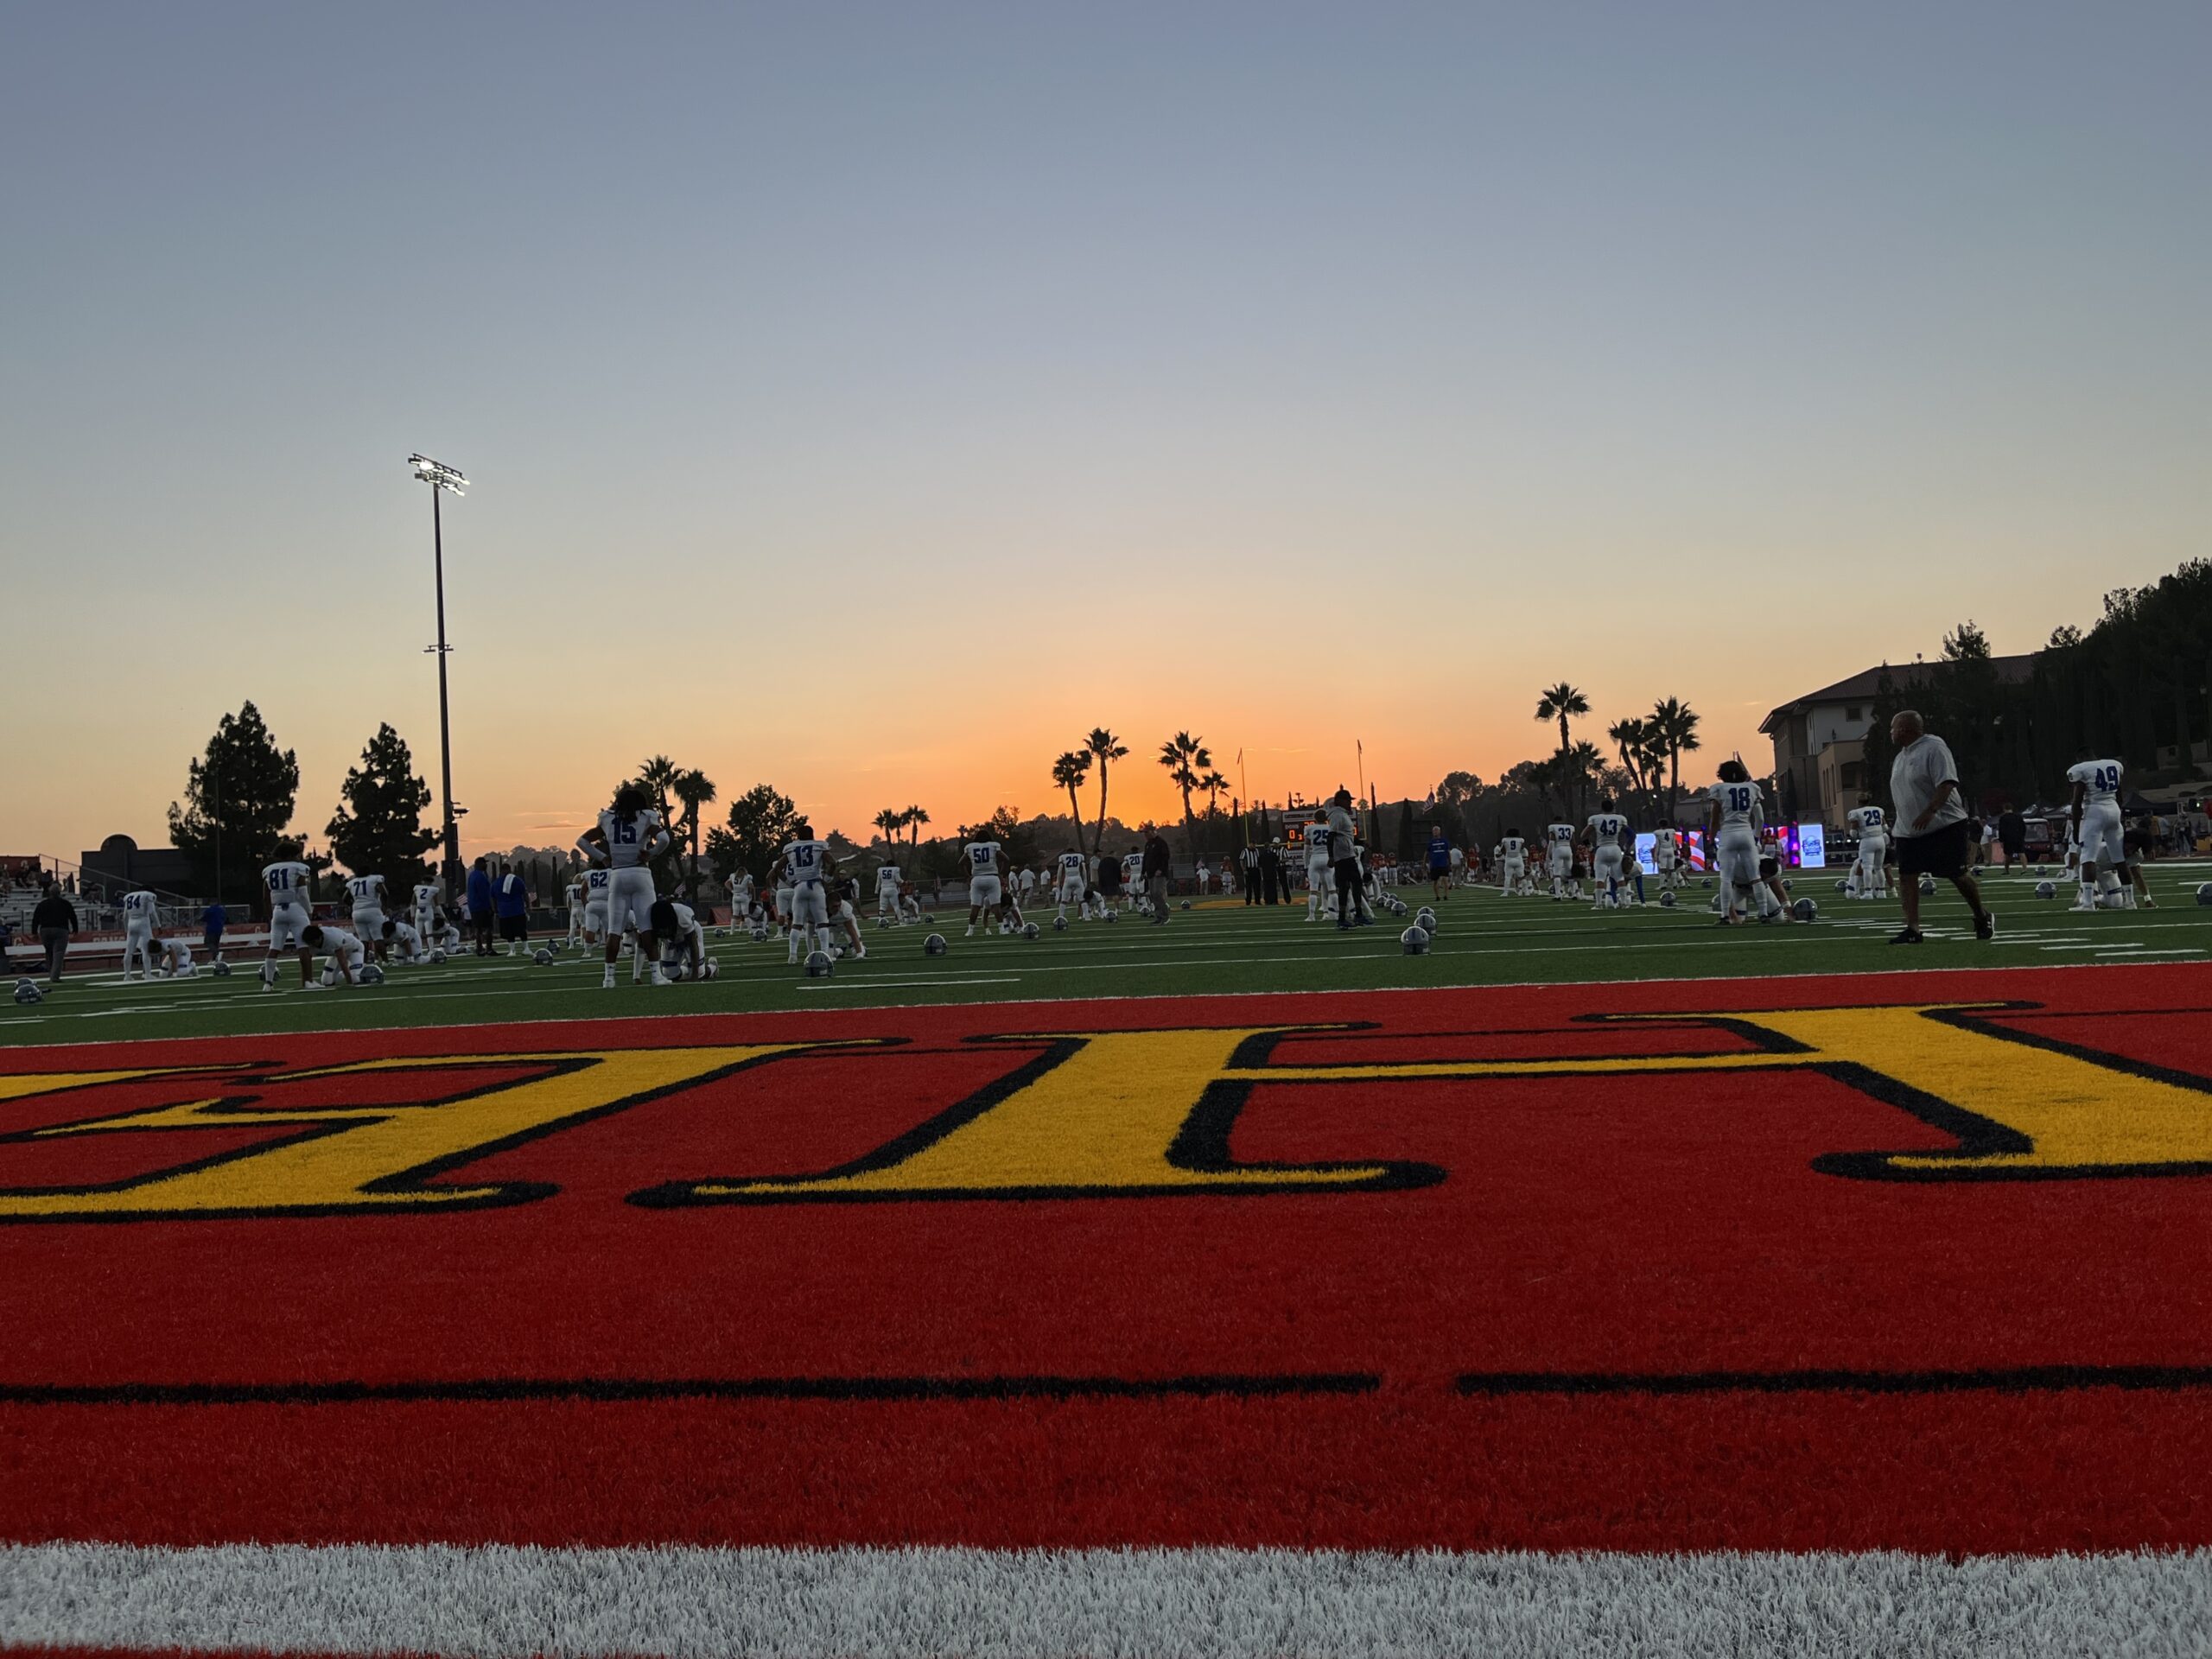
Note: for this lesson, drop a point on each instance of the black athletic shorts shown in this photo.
(1941, 851)
(1769, 869)
(514, 927)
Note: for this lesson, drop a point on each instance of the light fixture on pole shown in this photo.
(441, 478)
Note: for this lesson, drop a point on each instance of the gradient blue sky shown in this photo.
(871, 398)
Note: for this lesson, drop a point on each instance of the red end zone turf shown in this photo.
(1917, 1262)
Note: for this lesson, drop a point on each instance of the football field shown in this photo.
(1595, 1283)
(1218, 945)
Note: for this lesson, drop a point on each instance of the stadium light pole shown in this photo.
(441, 478)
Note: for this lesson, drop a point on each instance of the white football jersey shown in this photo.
(1512, 847)
(887, 878)
(1132, 868)
(1074, 867)
(1608, 828)
(140, 906)
(426, 897)
(2100, 781)
(367, 892)
(983, 858)
(339, 943)
(1739, 805)
(687, 919)
(1866, 820)
(634, 840)
(597, 884)
(1317, 844)
(806, 861)
(1663, 848)
(1560, 833)
(286, 883)
(404, 935)
(575, 895)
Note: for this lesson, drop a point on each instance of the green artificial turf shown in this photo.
(1483, 939)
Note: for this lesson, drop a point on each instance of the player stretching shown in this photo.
(1608, 830)
(887, 882)
(286, 883)
(346, 956)
(1870, 876)
(2095, 818)
(627, 836)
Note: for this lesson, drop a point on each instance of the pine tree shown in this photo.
(378, 828)
(238, 796)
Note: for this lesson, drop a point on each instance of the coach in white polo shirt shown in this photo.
(1930, 820)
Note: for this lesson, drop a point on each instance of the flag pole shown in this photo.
(1362, 747)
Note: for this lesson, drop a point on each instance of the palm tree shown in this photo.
(1215, 786)
(659, 776)
(889, 821)
(1068, 772)
(914, 817)
(1579, 765)
(1633, 739)
(1674, 723)
(1187, 761)
(1105, 749)
(1559, 702)
(695, 789)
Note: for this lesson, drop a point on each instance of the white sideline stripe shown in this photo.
(1223, 1604)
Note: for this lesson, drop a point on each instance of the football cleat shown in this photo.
(713, 970)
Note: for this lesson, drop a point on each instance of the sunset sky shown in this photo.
(871, 398)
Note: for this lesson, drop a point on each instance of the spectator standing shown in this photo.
(480, 906)
(2012, 836)
(1344, 854)
(512, 899)
(212, 921)
(54, 921)
(1440, 862)
(1158, 867)
(1931, 824)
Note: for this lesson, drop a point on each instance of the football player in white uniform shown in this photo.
(682, 939)
(1559, 858)
(741, 899)
(173, 958)
(402, 942)
(1073, 883)
(347, 957)
(141, 912)
(573, 896)
(888, 881)
(986, 885)
(1320, 878)
(1870, 876)
(1734, 815)
(1512, 857)
(2094, 820)
(597, 885)
(367, 894)
(807, 867)
(426, 909)
(1666, 855)
(625, 838)
(286, 883)
(1608, 831)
